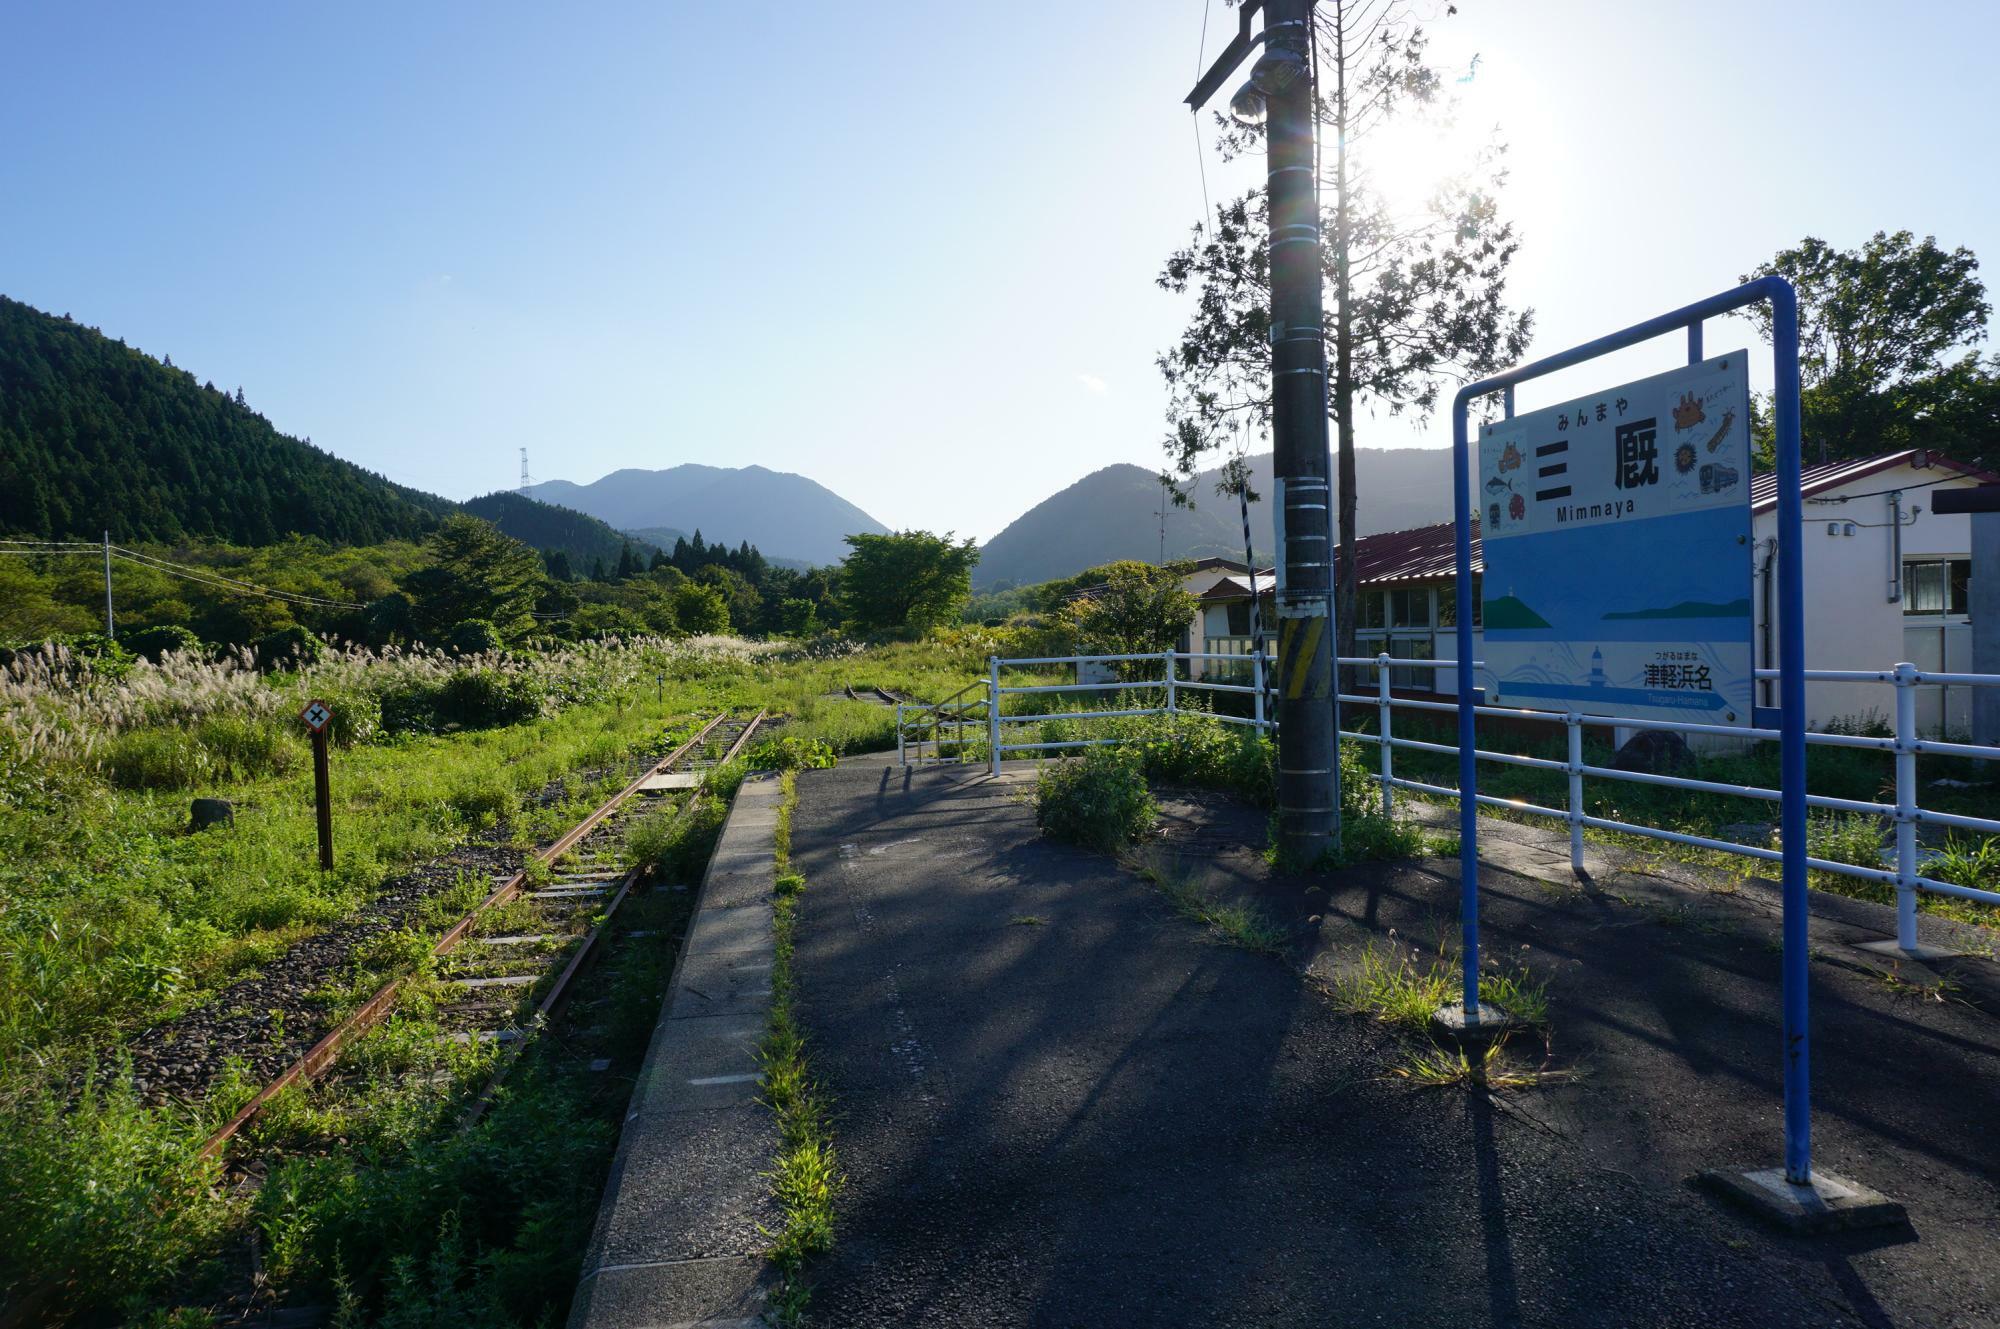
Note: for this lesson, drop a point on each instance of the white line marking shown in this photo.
(724, 1079)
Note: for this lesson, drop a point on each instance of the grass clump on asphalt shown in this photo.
(805, 1176)
(1404, 987)
(1238, 924)
(1098, 800)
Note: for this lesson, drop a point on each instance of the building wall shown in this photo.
(1851, 623)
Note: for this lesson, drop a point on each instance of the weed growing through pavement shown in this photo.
(1942, 990)
(1027, 920)
(805, 1176)
(1404, 987)
(1238, 924)
(1449, 1067)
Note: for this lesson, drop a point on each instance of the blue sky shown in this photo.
(905, 249)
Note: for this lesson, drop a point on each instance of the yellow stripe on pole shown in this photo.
(1306, 633)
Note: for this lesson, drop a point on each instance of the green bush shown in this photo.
(241, 748)
(155, 759)
(465, 699)
(74, 1170)
(287, 648)
(482, 801)
(1841, 837)
(1098, 800)
(155, 643)
(789, 752)
(357, 718)
(484, 698)
(1200, 750)
(475, 636)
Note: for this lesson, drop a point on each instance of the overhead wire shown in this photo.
(1194, 118)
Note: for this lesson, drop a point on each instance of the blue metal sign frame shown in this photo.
(1778, 293)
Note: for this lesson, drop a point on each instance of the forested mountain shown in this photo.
(785, 515)
(553, 529)
(1113, 514)
(96, 436)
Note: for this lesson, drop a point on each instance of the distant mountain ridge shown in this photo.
(1113, 513)
(785, 516)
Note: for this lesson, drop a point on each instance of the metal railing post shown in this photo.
(993, 709)
(1382, 726)
(1168, 656)
(1905, 677)
(1574, 724)
(1257, 682)
(901, 759)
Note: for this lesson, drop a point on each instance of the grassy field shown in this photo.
(115, 917)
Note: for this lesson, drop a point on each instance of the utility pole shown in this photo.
(1281, 89)
(110, 624)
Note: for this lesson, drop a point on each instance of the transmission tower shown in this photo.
(525, 481)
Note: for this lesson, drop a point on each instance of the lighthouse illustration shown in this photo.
(1596, 667)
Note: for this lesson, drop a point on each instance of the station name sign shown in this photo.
(1615, 530)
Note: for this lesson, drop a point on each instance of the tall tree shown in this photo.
(476, 572)
(1886, 345)
(1136, 609)
(1416, 287)
(904, 583)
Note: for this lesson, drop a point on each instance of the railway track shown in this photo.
(508, 963)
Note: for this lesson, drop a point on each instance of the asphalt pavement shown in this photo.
(1059, 1103)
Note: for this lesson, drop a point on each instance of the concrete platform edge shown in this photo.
(717, 1273)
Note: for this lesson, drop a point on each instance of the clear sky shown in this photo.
(905, 248)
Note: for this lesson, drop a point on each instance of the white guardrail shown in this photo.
(983, 720)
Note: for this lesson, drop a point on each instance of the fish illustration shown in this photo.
(1498, 486)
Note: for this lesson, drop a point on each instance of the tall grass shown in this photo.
(114, 916)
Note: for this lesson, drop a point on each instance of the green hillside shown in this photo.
(555, 529)
(96, 436)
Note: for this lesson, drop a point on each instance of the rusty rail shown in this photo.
(583, 953)
(324, 1053)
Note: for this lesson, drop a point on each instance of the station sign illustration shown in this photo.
(1616, 538)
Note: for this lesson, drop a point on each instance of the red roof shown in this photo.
(1423, 553)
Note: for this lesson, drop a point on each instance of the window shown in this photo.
(1239, 618)
(1937, 585)
(1409, 607)
(1412, 648)
(1373, 609)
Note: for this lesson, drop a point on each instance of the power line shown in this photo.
(1194, 118)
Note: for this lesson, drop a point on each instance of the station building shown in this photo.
(1886, 579)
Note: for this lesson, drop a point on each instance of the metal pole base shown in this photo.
(1474, 1031)
(1896, 951)
(1826, 1203)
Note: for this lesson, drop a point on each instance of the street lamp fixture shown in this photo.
(1248, 106)
(1277, 69)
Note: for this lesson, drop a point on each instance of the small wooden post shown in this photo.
(316, 715)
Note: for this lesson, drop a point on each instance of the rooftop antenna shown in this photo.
(525, 481)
